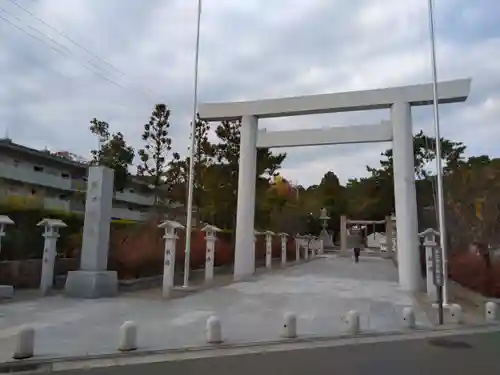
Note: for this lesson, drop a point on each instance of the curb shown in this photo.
(54, 364)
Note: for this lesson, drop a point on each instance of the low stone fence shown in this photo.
(26, 273)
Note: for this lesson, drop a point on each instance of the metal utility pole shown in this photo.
(439, 168)
(189, 213)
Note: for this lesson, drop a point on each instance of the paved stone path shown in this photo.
(320, 292)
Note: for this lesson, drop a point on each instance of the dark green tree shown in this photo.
(424, 150)
(227, 155)
(178, 169)
(113, 152)
(154, 156)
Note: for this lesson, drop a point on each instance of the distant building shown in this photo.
(60, 182)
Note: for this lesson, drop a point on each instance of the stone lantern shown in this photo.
(51, 234)
(210, 238)
(170, 237)
(269, 248)
(429, 235)
(6, 291)
(283, 247)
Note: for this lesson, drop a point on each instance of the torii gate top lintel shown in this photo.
(416, 95)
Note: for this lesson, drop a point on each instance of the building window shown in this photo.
(65, 175)
(63, 196)
(38, 169)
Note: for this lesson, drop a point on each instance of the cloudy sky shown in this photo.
(72, 60)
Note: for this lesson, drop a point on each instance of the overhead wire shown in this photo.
(68, 52)
(48, 68)
(60, 52)
(65, 36)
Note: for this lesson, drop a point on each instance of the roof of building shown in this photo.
(6, 143)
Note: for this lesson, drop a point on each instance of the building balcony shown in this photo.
(124, 196)
(129, 197)
(33, 177)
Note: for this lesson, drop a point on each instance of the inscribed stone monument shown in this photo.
(93, 280)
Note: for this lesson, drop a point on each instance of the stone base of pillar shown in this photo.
(91, 284)
(6, 291)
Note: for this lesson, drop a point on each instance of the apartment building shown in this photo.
(60, 184)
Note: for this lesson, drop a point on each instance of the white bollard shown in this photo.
(409, 320)
(290, 326)
(456, 314)
(213, 330)
(491, 312)
(128, 337)
(352, 321)
(25, 343)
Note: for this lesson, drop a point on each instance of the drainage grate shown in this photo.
(449, 344)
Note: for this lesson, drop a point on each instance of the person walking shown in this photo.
(357, 250)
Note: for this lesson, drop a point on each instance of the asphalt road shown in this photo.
(458, 355)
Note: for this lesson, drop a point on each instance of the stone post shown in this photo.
(93, 280)
(388, 234)
(269, 248)
(324, 235)
(394, 234)
(255, 234)
(429, 235)
(283, 247)
(51, 234)
(170, 237)
(309, 239)
(297, 248)
(315, 246)
(306, 247)
(343, 233)
(6, 291)
(210, 238)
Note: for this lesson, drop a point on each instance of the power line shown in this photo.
(60, 52)
(90, 62)
(66, 36)
(56, 72)
(35, 29)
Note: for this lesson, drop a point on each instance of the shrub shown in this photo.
(24, 239)
(470, 271)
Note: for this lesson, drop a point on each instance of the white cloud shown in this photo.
(249, 49)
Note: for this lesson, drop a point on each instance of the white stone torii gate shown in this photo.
(398, 130)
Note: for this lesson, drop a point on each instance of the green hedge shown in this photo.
(24, 239)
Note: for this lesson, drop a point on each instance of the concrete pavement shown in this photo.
(319, 292)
